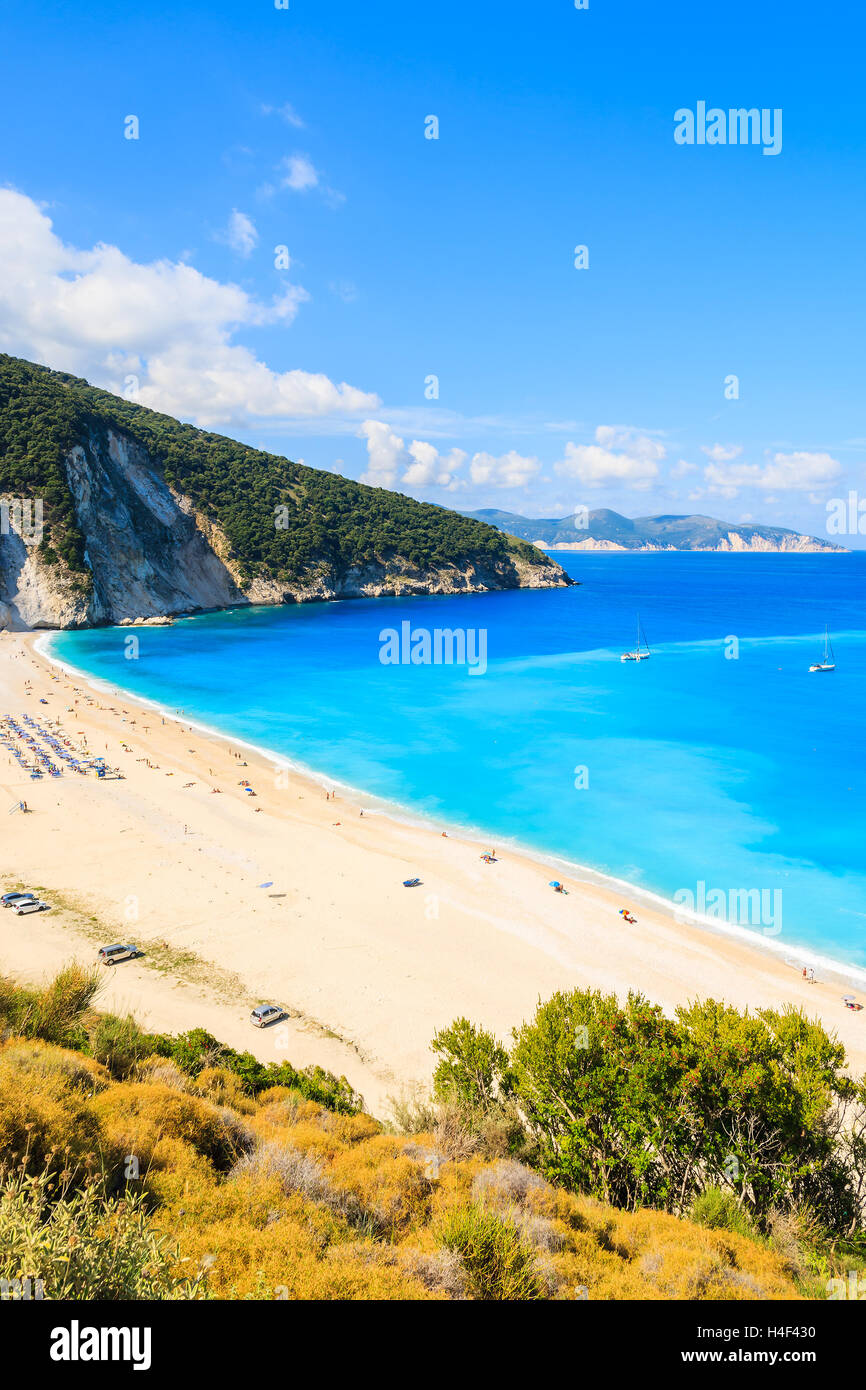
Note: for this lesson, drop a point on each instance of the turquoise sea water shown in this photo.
(739, 774)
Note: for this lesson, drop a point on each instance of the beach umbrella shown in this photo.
(849, 997)
(554, 883)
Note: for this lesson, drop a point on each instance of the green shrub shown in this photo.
(643, 1110)
(80, 1245)
(720, 1211)
(119, 1043)
(499, 1263)
(473, 1070)
(198, 1050)
(56, 1013)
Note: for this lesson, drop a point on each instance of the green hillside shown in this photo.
(328, 519)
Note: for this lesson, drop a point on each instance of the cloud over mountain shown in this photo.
(164, 325)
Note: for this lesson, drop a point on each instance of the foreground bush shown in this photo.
(198, 1050)
(499, 1264)
(78, 1245)
(720, 1211)
(137, 1115)
(643, 1110)
(55, 1013)
(173, 1174)
(47, 1121)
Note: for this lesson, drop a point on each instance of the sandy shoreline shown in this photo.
(368, 969)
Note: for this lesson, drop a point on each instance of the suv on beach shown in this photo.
(12, 899)
(112, 955)
(29, 904)
(265, 1014)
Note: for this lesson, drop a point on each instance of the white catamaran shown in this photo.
(828, 660)
(641, 651)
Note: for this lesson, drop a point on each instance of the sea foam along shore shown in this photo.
(298, 898)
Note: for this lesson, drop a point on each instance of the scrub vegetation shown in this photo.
(141, 1166)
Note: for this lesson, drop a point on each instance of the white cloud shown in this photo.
(287, 112)
(385, 453)
(683, 467)
(421, 465)
(300, 173)
(429, 468)
(797, 472)
(722, 453)
(506, 470)
(802, 470)
(103, 316)
(620, 455)
(240, 234)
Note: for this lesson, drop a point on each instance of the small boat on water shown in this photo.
(828, 660)
(641, 651)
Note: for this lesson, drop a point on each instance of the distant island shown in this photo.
(141, 517)
(608, 530)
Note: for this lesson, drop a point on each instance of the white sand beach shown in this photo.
(290, 897)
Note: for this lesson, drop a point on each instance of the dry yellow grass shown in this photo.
(279, 1198)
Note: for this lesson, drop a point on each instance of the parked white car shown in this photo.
(113, 955)
(265, 1014)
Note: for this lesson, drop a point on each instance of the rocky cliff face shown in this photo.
(151, 554)
(735, 540)
(732, 541)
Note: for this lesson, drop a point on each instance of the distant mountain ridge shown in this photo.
(609, 530)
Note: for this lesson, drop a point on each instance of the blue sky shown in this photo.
(148, 265)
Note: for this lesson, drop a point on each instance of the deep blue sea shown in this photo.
(717, 762)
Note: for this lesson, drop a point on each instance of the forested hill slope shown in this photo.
(144, 516)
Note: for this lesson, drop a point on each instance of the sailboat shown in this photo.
(828, 660)
(641, 651)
